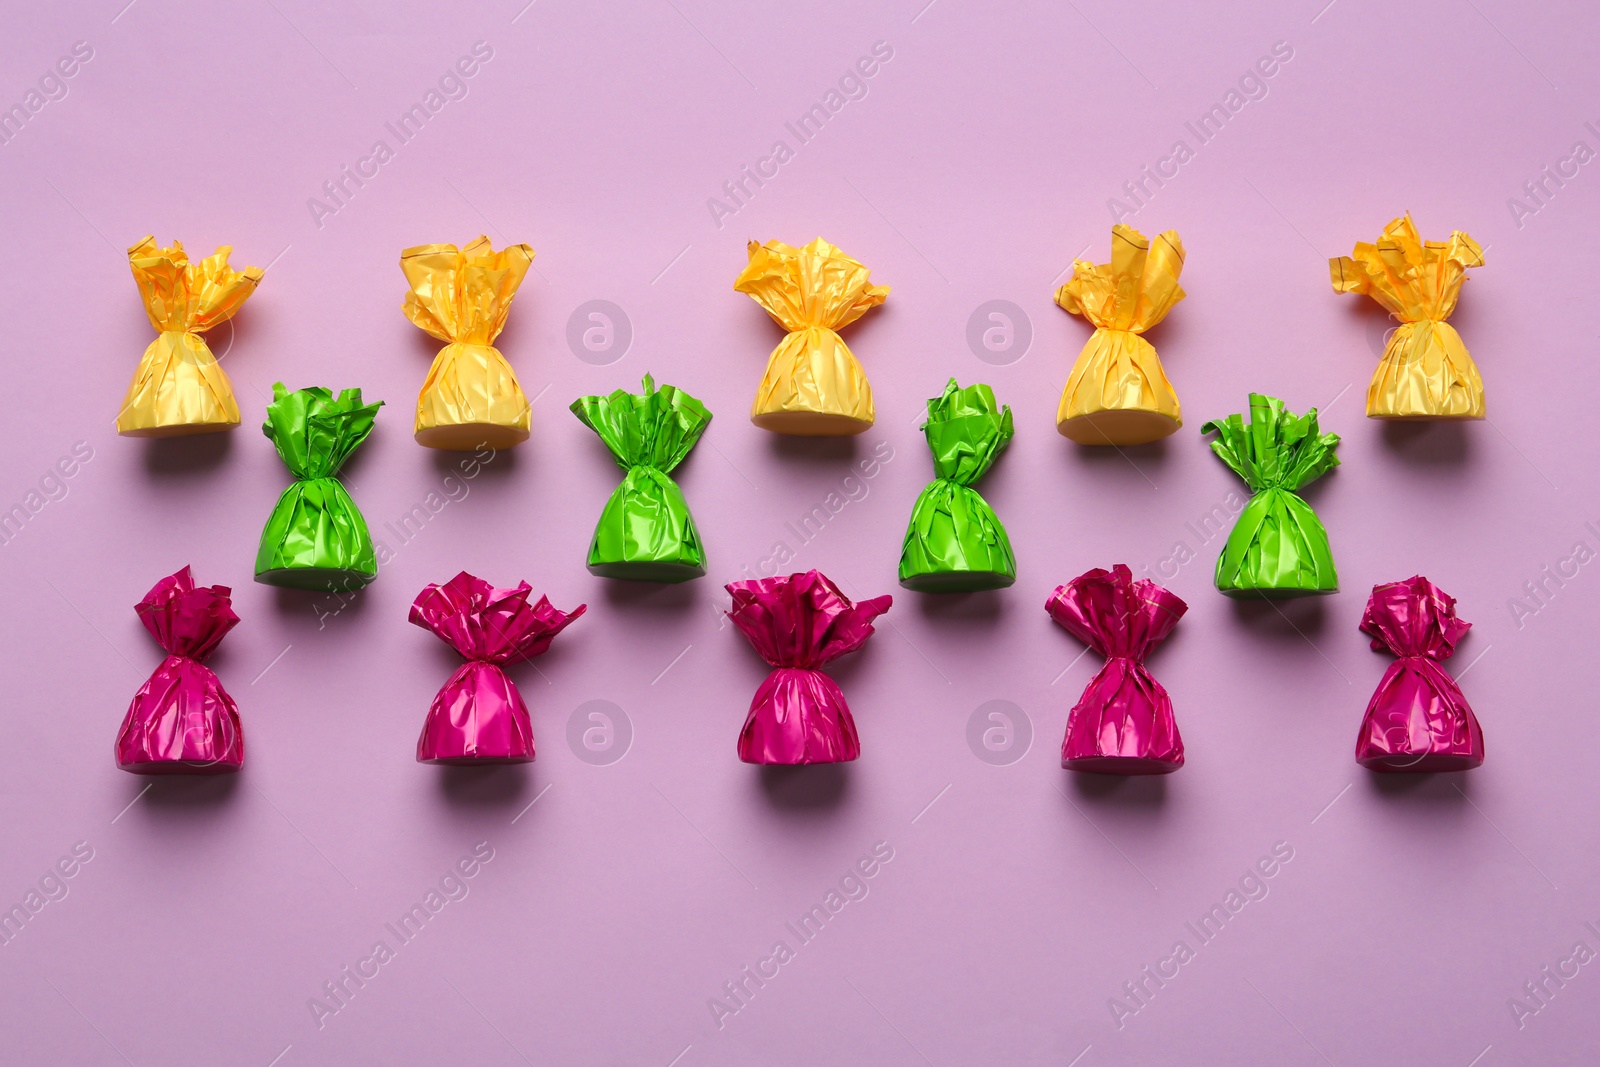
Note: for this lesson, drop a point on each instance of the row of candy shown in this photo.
(316, 538)
(182, 721)
(1116, 394)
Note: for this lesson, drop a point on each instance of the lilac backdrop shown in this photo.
(621, 896)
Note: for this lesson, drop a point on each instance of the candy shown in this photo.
(479, 715)
(797, 623)
(1418, 719)
(315, 537)
(1425, 372)
(179, 387)
(813, 385)
(1117, 393)
(954, 541)
(646, 532)
(1278, 546)
(1123, 723)
(471, 399)
(182, 721)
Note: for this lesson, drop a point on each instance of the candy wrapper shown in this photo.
(1418, 719)
(798, 623)
(182, 721)
(1278, 546)
(1123, 723)
(315, 537)
(179, 387)
(813, 385)
(471, 399)
(1117, 393)
(954, 542)
(1425, 372)
(479, 716)
(646, 532)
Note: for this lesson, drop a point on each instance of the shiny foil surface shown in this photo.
(797, 623)
(1118, 393)
(1123, 723)
(1425, 371)
(315, 538)
(182, 721)
(813, 385)
(1278, 546)
(645, 531)
(1418, 719)
(179, 387)
(479, 716)
(954, 542)
(471, 398)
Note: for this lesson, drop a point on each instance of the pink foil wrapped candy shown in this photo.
(1123, 723)
(182, 721)
(479, 716)
(797, 623)
(1418, 719)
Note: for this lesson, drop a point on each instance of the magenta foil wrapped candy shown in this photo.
(479, 716)
(182, 721)
(1418, 720)
(1123, 723)
(798, 623)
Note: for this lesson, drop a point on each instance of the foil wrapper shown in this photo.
(1278, 546)
(471, 399)
(1123, 723)
(479, 716)
(645, 532)
(1426, 371)
(182, 721)
(1117, 393)
(179, 387)
(315, 537)
(797, 623)
(954, 542)
(813, 385)
(1418, 719)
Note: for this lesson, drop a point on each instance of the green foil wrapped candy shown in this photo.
(1278, 546)
(646, 533)
(315, 538)
(954, 543)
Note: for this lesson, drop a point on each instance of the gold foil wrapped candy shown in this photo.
(1117, 393)
(1425, 372)
(813, 386)
(179, 387)
(471, 398)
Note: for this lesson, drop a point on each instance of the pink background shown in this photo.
(1019, 899)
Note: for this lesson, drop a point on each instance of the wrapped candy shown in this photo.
(315, 537)
(1425, 372)
(479, 716)
(1123, 723)
(797, 623)
(813, 386)
(646, 532)
(1278, 546)
(471, 399)
(182, 721)
(179, 387)
(954, 542)
(1418, 719)
(1117, 393)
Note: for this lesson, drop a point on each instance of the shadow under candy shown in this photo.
(1437, 443)
(816, 787)
(494, 785)
(1302, 616)
(1444, 789)
(983, 607)
(177, 794)
(188, 454)
(1134, 792)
